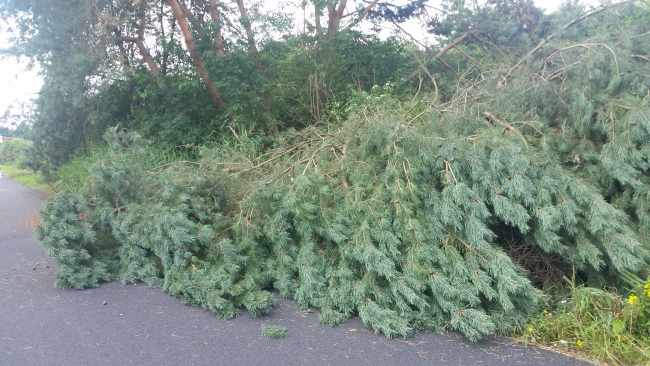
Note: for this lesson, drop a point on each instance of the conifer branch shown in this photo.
(400, 28)
(507, 127)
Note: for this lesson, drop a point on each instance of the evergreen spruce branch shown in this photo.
(124, 207)
(558, 73)
(456, 41)
(174, 163)
(588, 46)
(310, 160)
(284, 153)
(507, 127)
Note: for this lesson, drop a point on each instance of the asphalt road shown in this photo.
(42, 325)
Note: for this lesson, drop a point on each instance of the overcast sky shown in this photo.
(18, 85)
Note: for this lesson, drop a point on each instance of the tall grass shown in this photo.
(26, 177)
(593, 322)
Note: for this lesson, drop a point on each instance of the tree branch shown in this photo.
(457, 41)
(363, 15)
(142, 48)
(249, 35)
(195, 54)
(549, 38)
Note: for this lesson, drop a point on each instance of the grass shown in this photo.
(26, 177)
(598, 325)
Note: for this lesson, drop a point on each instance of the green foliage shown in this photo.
(638, 305)
(14, 152)
(390, 218)
(357, 62)
(593, 322)
(73, 175)
(74, 243)
(26, 177)
(152, 227)
(274, 331)
(413, 215)
(507, 23)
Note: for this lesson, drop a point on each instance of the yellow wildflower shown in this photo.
(545, 312)
(530, 329)
(580, 343)
(633, 299)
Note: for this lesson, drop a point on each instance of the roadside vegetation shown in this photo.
(13, 157)
(496, 183)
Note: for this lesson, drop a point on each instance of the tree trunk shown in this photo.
(249, 35)
(195, 54)
(142, 48)
(218, 39)
(335, 12)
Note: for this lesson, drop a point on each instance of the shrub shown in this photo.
(14, 152)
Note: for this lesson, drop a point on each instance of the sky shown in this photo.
(18, 85)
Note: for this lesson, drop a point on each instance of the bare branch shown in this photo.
(363, 15)
(457, 41)
(549, 38)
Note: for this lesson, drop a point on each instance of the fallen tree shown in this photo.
(412, 216)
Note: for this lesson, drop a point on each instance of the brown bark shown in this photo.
(146, 55)
(335, 16)
(249, 35)
(165, 55)
(319, 28)
(188, 14)
(218, 39)
(195, 54)
(142, 48)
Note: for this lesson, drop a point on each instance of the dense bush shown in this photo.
(14, 152)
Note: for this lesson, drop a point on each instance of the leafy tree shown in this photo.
(5, 131)
(14, 151)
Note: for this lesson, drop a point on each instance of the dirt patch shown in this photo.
(33, 222)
